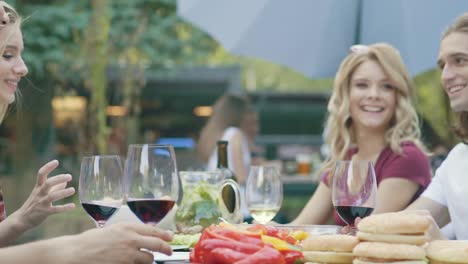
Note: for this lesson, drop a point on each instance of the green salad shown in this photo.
(185, 239)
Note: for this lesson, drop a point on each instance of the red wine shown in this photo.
(349, 213)
(100, 213)
(150, 210)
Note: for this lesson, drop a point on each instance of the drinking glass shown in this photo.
(264, 193)
(100, 187)
(354, 190)
(151, 181)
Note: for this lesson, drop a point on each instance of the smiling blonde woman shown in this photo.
(371, 117)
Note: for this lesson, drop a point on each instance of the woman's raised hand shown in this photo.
(47, 191)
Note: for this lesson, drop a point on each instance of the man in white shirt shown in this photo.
(446, 197)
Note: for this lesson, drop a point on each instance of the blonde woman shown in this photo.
(47, 190)
(120, 243)
(370, 117)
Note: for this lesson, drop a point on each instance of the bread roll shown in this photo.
(328, 257)
(336, 243)
(448, 251)
(394, 252)
(393, 238)
(394, 223)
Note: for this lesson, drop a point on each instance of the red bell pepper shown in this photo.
(249, 238)
(195, 256)
(221, 245)
(284, 235)
(224, 256)
(264, 255)
(292, 256)
(211, 244)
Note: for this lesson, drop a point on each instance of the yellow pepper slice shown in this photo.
(277, 243)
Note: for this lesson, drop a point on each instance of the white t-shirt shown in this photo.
(449, 187)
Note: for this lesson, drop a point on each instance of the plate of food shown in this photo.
(180, 247)
(176, 256)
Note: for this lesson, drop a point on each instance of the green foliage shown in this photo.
(148, 33)
(432, 104)
(50, 36)
(54, 34)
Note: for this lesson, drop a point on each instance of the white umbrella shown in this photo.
(313, 36)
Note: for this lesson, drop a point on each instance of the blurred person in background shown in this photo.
(445, 198)
(250, 125)
(225, 124)
(371, 117)
(120, 243)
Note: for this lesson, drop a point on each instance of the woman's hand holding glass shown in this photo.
(100, 187)
(264, 193)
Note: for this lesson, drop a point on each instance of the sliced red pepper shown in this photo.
(257, 228)
(224, 256)
(213, 233)
(211, 244)
(250, 238)
(292, 256)
(272, 231)
(284, 235)
(264, 255)
(195, 256)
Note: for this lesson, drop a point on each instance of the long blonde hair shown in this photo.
(460, 25)
(404, 125)
(15, 20)
(228, 111)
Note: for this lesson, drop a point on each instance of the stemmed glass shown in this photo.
(151, 181)
(264, 193)
(354, 191)
(100, 187)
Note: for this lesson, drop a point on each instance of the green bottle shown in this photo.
(227, 193)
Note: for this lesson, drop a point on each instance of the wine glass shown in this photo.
(100, 187)
(151, 181)
(354, 190)
(264, 193)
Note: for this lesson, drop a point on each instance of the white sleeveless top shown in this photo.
(228, 134)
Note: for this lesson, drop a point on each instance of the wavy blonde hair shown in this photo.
(228, 111)
(460, 25)
(14, 22)
(404, 125)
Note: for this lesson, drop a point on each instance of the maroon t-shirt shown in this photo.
(412, 165)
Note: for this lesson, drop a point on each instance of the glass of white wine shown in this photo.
(264, 193)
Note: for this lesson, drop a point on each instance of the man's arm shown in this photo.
(439, 212)
(46, 251)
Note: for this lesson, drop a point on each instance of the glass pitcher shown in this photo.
(202, 204)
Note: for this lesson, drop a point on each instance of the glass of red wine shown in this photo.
(100, 186)
(354, 190)
(151, 181)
